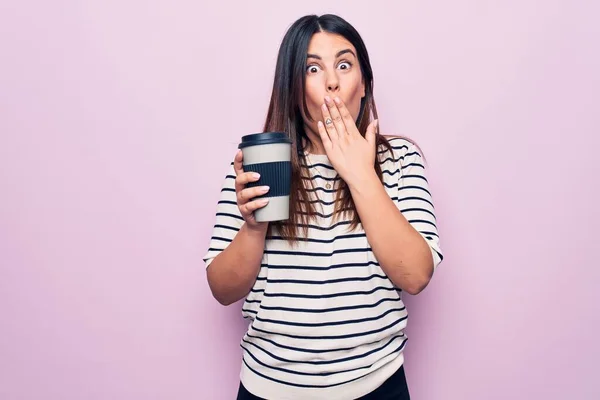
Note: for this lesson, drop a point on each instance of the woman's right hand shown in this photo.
(244, 195)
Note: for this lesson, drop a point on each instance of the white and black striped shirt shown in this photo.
(326, 322)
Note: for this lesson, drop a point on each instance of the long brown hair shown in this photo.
(284, 116)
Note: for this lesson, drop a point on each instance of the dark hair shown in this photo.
(284, 114)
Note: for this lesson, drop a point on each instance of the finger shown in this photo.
(336, 116)
(348, 120)
(371, 133)
(237, 162)
(242, 179)
(238, 168)
(251, 206)
(324, 135)
(248, 194)
(329, 126)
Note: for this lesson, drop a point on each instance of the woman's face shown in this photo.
(332, 70)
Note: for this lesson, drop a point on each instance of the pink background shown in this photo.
(118, 120)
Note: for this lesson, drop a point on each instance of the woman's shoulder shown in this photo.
(398, 141)
(398, 145)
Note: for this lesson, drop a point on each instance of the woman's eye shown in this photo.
(312, 69)
(344, 65)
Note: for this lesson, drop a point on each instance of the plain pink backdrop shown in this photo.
(118, 120)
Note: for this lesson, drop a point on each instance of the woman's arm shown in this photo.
(400, 249)
(237, 245)
(405, 254)
(233, 272)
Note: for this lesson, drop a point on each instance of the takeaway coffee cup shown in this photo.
(269, 154)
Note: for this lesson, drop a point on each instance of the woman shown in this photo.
(323, 289)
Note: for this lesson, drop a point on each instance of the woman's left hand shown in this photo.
(351, 154)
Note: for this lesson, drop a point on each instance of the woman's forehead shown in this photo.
(327, 44)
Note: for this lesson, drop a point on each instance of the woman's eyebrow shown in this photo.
(339, 53)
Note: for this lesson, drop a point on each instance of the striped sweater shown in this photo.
(325, 320)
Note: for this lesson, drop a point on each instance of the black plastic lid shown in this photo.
(264, 138)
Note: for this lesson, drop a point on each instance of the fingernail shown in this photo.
(337, 100)
(327, 99)
(320, 124)
(264, 201)
(265, 189)
(256, 175)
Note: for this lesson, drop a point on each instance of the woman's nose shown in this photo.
(333, 84)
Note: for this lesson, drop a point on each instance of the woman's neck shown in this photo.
(314, 145)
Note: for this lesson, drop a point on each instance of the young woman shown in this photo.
(323, 289)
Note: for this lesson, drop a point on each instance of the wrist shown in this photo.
(257, 231)
(364, 182)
